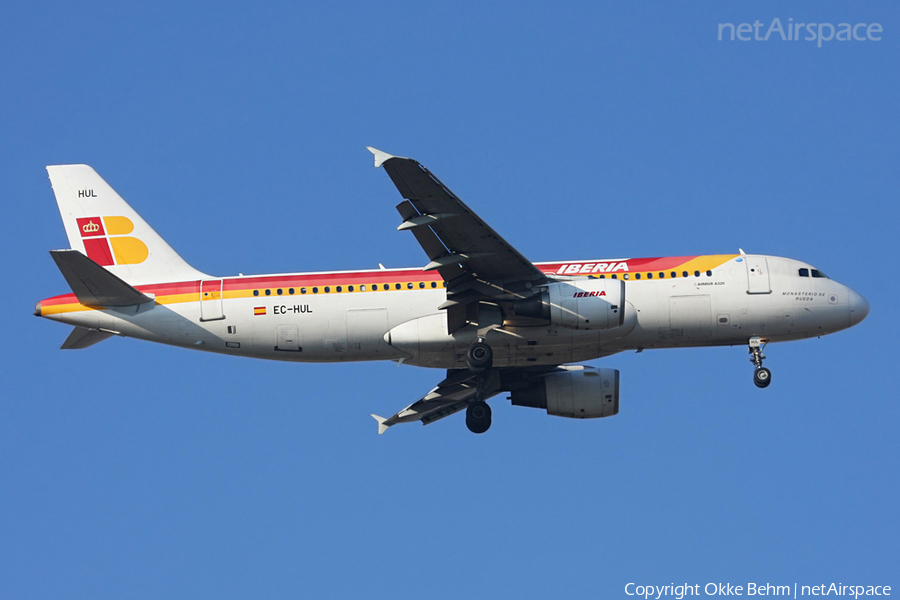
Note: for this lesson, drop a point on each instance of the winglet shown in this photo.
(381, 426)
(380, 157)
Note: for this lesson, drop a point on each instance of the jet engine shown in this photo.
(589, 304)
(578, 392)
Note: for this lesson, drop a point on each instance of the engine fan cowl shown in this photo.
(592, 304)
(578, 392)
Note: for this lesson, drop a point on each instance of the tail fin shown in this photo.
(100, 224)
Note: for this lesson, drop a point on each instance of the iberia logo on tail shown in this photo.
(107, 243)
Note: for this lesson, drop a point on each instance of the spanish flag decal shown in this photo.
(259, 310)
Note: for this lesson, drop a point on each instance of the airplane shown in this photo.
(495, 321)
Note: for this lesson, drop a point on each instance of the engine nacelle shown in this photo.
(579, 392)
(588, 304)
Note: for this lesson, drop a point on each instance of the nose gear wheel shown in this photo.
(762, 377)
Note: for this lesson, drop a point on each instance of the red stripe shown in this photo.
(238, 284)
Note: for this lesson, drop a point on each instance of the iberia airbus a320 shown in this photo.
(479, 309)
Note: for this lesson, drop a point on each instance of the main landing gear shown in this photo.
(479, 357)
(478, 417)
(762, 377)
(479, 360)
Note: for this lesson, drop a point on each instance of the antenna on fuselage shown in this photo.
(741, 250)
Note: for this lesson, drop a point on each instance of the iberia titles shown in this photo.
(588, 268)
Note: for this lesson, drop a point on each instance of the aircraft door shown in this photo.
(288, 339)
(757, 275)
(211, 300)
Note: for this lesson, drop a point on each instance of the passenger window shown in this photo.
(709, 273)
(315, 290)
(409, 285)
(397, 286)
(280, 291)
(256, 292)
(662, 275)
(374, 287)
(804, 272)
(302, 290)
(362, 288)
(696, 273)
(349, 288)
(338, 289)
(421, 285)
(674, 274)
(434, 284)
(291, 291)
(649, 275)
(268, 292)
(603, 277)
(327, 289)
(624, 276)
(614, 276)
(684, 274)
(637, 275)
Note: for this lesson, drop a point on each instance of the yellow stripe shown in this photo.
(700, 263)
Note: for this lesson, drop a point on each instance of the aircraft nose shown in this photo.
(859, 308)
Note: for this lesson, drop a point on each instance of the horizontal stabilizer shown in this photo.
(81, 337)
(92, 284)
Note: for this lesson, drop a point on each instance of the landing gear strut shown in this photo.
(762, 377)
(479, 360)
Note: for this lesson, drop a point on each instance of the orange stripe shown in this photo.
(243, 287)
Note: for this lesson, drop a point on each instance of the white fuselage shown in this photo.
(742, 297)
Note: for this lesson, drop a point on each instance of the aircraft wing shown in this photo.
(473, 259)
(450, 396)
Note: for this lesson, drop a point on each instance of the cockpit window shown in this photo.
(804, 272)
(819, 274)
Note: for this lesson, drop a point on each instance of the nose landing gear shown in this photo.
(762, 377)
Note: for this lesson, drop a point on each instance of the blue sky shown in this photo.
(589, 130)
